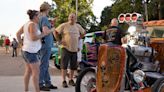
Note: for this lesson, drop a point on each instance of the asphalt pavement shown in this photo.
(11, 74)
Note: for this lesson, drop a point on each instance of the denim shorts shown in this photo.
(30, 57)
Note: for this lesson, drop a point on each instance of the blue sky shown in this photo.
(13, 13)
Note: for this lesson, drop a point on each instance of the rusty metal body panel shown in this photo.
(111, 65)
(157, 42)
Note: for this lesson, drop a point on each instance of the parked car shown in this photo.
(54, 50)
(90, 49)
(56, 55)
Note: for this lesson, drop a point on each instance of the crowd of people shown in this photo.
(36, 47)
(14, 45)
(38, 41)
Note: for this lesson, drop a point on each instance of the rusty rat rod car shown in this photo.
(122, 68)
(132, 67)
(156, 31)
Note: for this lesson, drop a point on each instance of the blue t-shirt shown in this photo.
(48, 40)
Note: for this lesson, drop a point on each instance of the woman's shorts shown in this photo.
(30, 57)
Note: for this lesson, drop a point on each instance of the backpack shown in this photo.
(14, 44)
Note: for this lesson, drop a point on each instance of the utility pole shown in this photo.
(146, 11)
(76, 9)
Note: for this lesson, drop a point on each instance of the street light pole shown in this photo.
(146, 11)
(76, 9)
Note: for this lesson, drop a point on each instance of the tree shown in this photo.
(106, 17)
(160, 7)
(94, 28)
(85, 15)
(1, 42)
(155, 8)
(126, 6)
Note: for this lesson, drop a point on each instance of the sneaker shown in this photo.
(52, 87)
(64, 84)
(43, 88)
(71, 82)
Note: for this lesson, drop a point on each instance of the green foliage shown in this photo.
(85, 15)
(124, 27)
(106, 17)
(104, 28)
(125, 6)
(110, 12)
(155, 8)
(88, 21)
(1, 42)
(94, 28)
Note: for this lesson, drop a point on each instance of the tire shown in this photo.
(82, 66)
(158, 86)
(88, 84)
(57, 66)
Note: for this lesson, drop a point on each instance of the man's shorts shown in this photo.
(70, 58)
(30, 58)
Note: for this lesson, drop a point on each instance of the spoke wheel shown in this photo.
(86, 81)
(158, 86)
